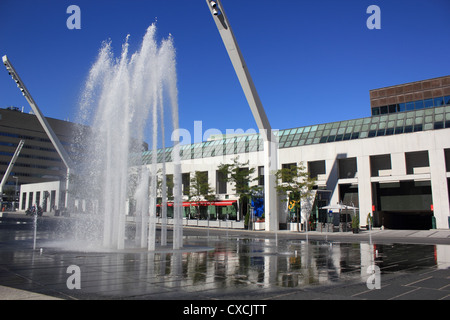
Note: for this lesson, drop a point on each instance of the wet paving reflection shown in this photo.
(217, 263)
(293, 263)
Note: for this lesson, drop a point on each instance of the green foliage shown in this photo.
(169, 186)
(200, 189)
(247, 218)
(369, 220)
(294, 181)
(355, 222)
(240, 174)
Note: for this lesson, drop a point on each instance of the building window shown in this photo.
(24, 200)
(380, 165)
(447, 159)
(409, 106)
(398, 130)
(186, 182)
(38, 198)
(289, 166)
(347, 168)
(417, 162)
(260, 175)
(408, 129)
(30, 200)
(439, 125)
(52, 200)
(419, 104)
(392, 108)
(169, 184)
(317, 169)
(439, 101)
(221, 183)
(428, 103)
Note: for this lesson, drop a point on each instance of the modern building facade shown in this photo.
(394, 166)
(38, 160)
(411, 96)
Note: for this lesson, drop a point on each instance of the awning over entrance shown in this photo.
(219, 203)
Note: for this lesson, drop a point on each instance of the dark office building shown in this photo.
(38, 160)
(411, 96)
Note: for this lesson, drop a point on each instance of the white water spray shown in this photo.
(124, 101)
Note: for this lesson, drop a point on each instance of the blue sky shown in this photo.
(312, 61)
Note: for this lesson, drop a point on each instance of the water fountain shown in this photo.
(125, 101)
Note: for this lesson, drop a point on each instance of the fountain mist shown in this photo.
(125, 101)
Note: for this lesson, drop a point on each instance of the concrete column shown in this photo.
(364, 188)
(270, 194)
(439, 187)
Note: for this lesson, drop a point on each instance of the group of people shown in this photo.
(33, 210)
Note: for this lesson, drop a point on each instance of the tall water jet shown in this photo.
(142, 207)
(124, 102)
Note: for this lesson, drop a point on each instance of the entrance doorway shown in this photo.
(403, 204)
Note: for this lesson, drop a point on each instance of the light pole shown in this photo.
(259, 114)
(42, 120)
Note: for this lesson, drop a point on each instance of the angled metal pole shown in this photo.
(42, 120)
(259, 114)
(10, 166)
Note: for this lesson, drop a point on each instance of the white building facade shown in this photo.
(48, 195)
(395, 166)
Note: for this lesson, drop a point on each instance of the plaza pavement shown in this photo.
(428, 283)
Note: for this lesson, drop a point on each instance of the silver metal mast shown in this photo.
(10, 166)
(42, 120)
(270, 141)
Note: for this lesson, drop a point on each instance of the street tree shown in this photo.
(200, 189)
(241, 176)
(294, 182)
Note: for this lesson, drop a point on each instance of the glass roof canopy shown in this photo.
(375, 126)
